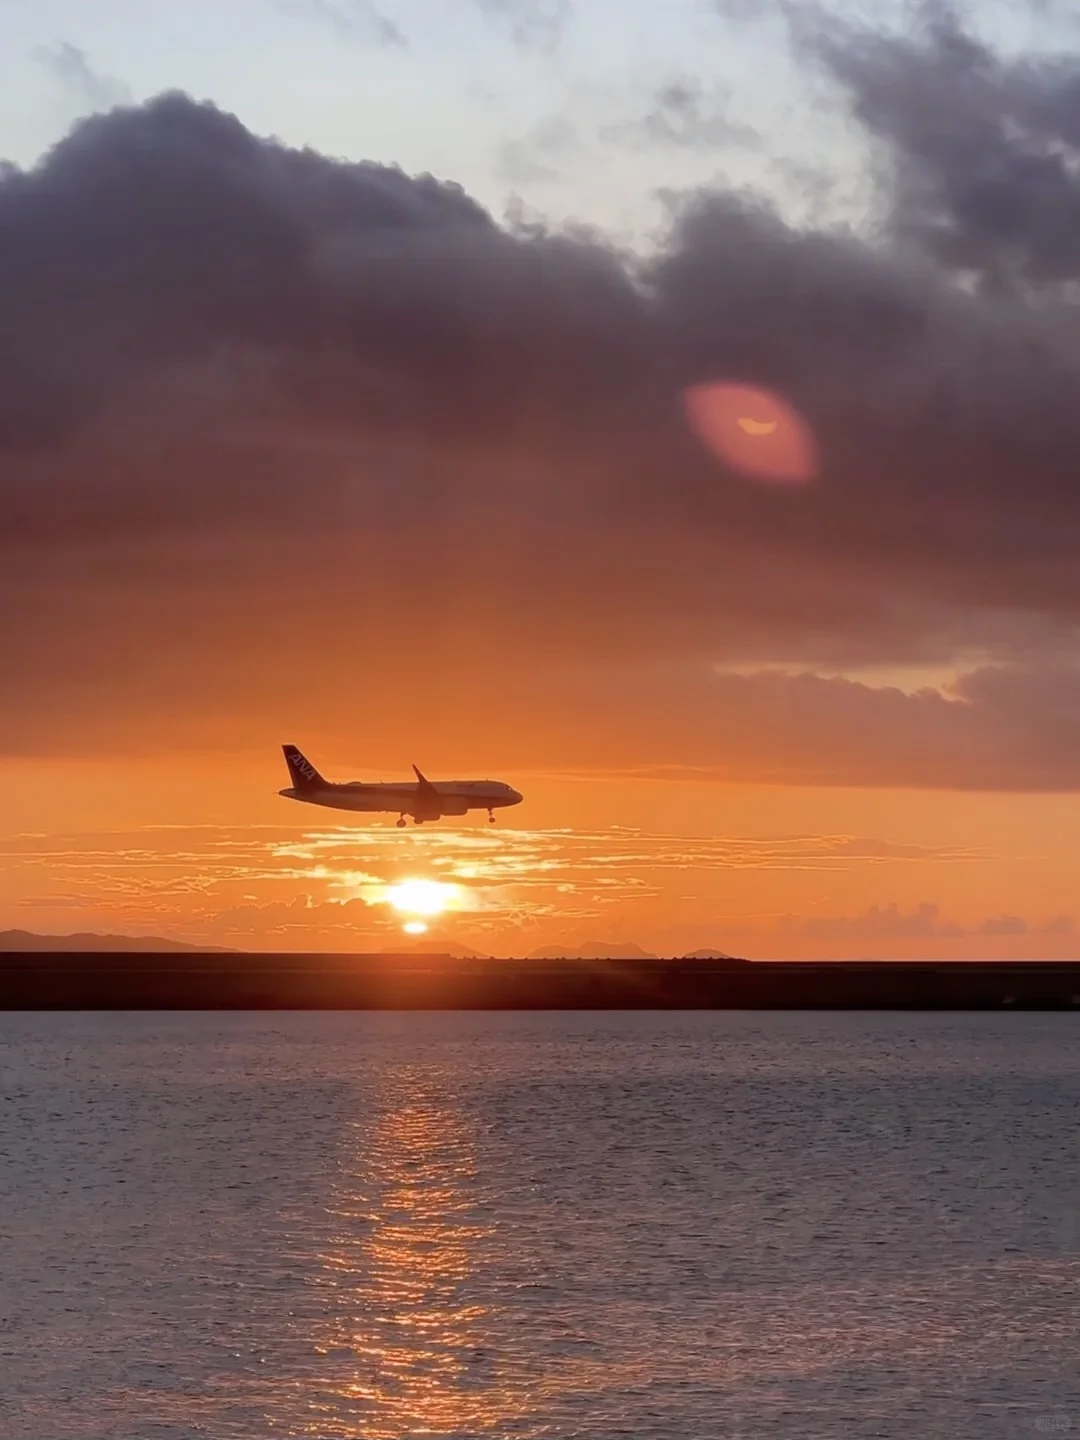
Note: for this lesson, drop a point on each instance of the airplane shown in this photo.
(424, 800)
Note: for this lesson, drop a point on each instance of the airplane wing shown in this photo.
(424, 785)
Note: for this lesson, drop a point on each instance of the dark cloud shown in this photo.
(192, 654)
(983, 153)
(1008, 727)
(165, 250)
(256, 403)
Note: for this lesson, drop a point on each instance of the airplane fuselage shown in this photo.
(455, 797)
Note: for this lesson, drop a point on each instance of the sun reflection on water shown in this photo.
(405, 1249)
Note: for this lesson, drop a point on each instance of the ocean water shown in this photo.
(661, 1226)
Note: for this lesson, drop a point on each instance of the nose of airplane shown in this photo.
(516, 797)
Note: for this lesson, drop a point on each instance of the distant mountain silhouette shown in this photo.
(12, 940)
(593, 950)
(24, 940)
(438, 947)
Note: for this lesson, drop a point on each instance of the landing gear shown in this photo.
(491, 817)
(400, 821)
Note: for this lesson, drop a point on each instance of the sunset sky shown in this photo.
(343, 361)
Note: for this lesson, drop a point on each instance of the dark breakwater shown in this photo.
(129, 981)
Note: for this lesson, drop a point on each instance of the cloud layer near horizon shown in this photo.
(272, 424)
(513, 890)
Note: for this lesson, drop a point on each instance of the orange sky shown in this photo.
(306, 450)
(210, 853)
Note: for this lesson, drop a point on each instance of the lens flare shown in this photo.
(753, 430)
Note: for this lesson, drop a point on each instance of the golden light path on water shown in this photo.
(407, 1229)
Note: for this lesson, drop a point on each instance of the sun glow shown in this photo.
(422, 897)
(414, 927)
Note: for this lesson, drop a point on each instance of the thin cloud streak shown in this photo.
(81, 82)
(230, 886)
(354, 21)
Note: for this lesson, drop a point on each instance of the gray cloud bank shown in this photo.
(236, 376)
(923, 921)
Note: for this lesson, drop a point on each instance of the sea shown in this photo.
(652, 1225)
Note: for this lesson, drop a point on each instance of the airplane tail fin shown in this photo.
(302, 773)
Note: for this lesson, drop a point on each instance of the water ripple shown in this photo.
(670, 1227)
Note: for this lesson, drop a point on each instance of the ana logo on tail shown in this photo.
(299, 766)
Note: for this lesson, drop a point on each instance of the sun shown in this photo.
(414, 927)
(422, 897)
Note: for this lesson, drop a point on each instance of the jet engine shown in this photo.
(451, 805)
